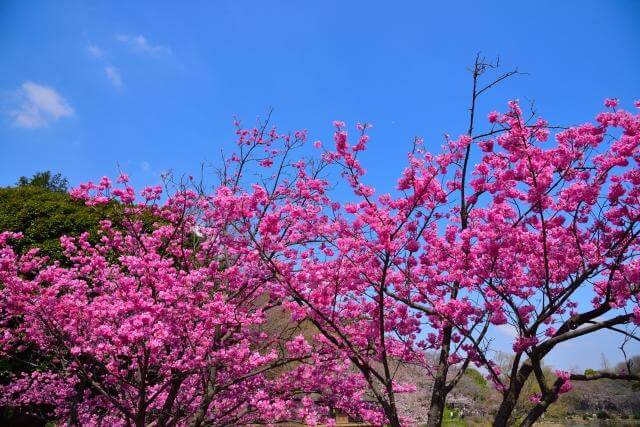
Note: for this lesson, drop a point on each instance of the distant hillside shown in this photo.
(474, 399)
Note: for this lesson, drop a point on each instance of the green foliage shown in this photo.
(453, 423)
(590, 372)
(451, 417)
(41, 209)
(43, 215)
(476, 376)
(55, 183)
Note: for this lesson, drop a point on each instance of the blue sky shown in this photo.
(153, 86)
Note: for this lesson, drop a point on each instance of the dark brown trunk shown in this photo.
(391, 411)
(535, 413)
(436, 410)
(394, 420)
(510, 400)
(439, 391)
(199, 416)
(168, 403)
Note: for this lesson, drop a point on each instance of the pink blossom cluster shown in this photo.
(164, 318)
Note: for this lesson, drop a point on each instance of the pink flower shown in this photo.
(535, 398)
(521, 344)
(351, 208)
(413, 245)
(493, 116)
(498, 317)
(340, 139)
(611, 102)
(486, 146)
(564, 376)
(636, 315)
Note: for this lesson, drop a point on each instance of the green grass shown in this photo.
(453, 423)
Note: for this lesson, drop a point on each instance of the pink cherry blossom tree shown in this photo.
(387, 259)
(371, 279)
(513, 239)
(166, 317)
(303, 238)
(559, 221)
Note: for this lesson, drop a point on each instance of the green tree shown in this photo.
(43, 213)
(55, 183)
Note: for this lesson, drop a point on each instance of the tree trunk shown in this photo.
(394, 420)
(439, 392)
(513, 393)
(165, 413)
(537, 412)
(436, 409)
(201, 412)
(392, 410)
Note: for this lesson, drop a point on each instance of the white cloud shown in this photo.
(140, 44)
(146, 167)
(95, 51)
(39, 105)
(114, 76)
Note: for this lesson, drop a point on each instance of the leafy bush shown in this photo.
(43, 216)
(477, 377)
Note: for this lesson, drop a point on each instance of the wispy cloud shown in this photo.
(140, 44)
(114, 76)
(145, 166)
(38, 105)
(136, 43)
(95, 51)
